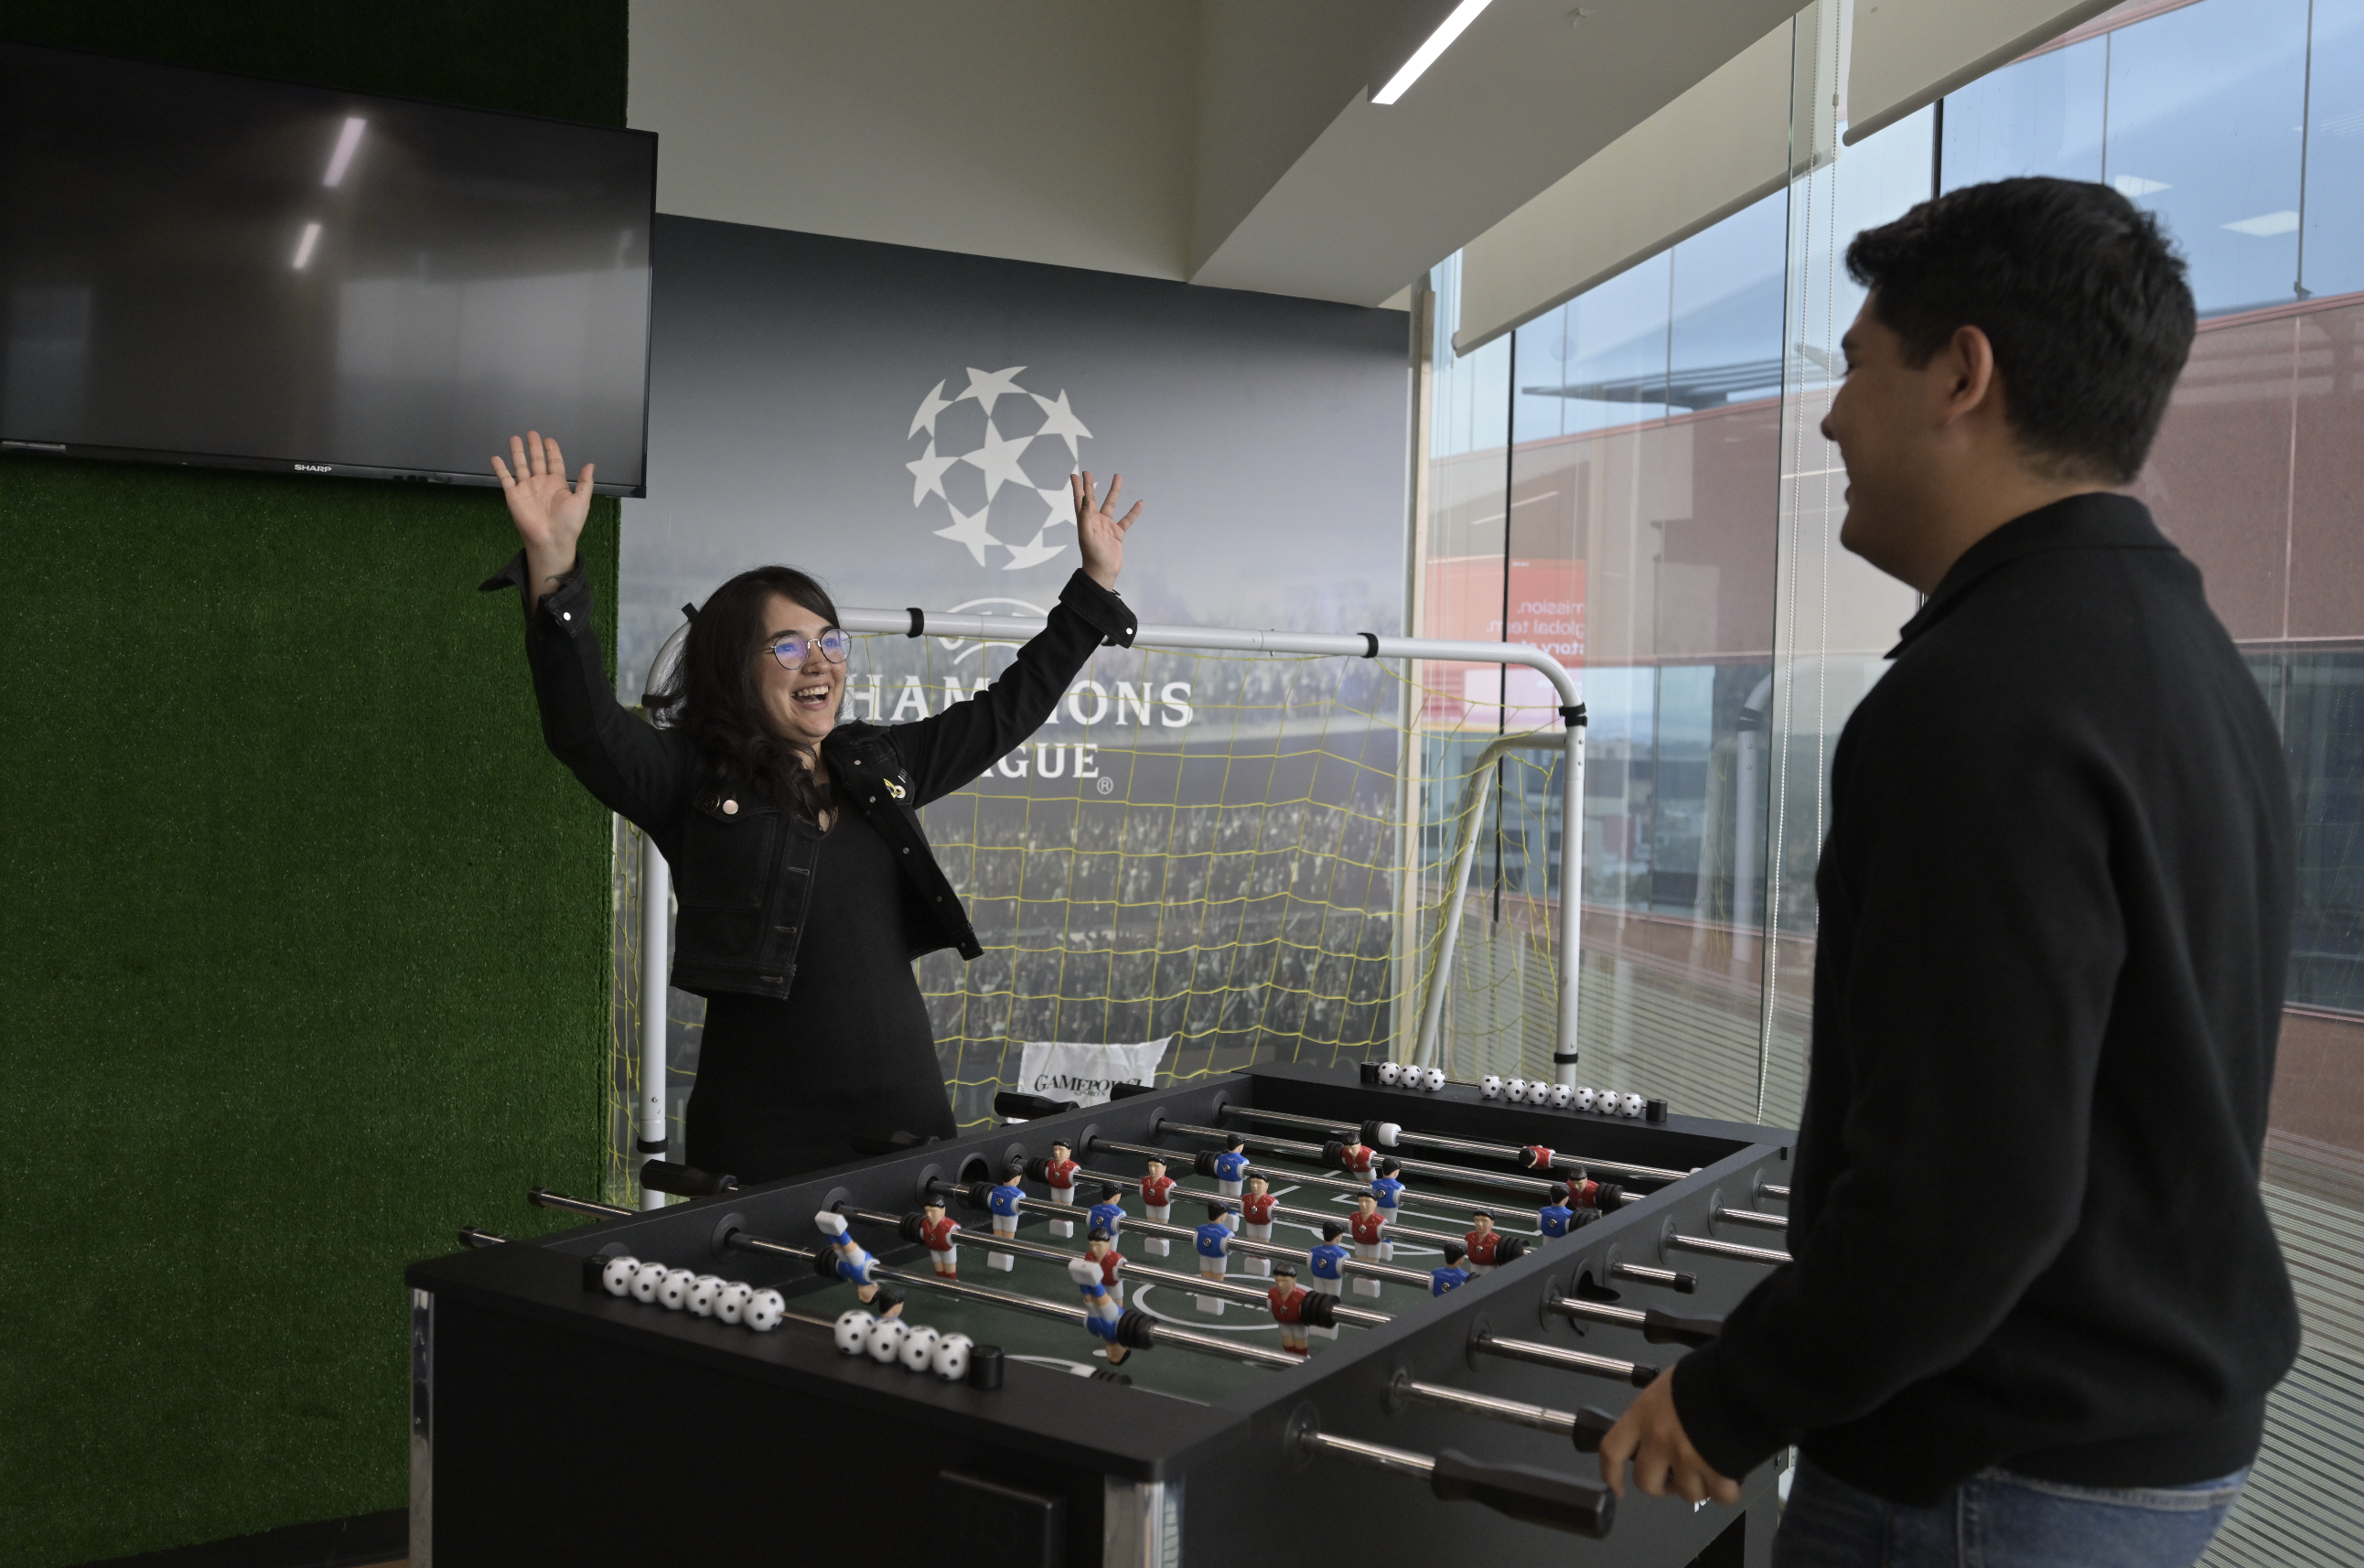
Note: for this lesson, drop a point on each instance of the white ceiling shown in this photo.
(1226, 142)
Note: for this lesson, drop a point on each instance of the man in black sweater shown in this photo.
(2035, 1305)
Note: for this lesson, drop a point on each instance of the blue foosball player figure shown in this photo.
(1104, 1313)
(1108, 1214)
(1555, 1217)
(1231, 1166)
(854, 1264)
(1387, 1188)
(1322, 1265)
(1214, 1249)
(1451, 1276)
(1003, 1202)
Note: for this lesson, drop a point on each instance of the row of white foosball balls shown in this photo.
(1518, 1091)
(702, 1295)
(1562, 1096)
(884, 1340)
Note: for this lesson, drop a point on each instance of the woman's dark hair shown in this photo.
(2077, 288)
(715, 690)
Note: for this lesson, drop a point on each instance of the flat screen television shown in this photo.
(212, 269)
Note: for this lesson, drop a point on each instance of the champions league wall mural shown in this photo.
(1199, 847)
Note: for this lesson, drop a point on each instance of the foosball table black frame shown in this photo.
(552, 1422)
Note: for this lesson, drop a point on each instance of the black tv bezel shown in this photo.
(249, 462)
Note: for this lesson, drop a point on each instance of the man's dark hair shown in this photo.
(2077, 288)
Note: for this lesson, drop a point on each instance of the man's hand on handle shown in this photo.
(547, 513)
(1652, 1436)
(1099, 529)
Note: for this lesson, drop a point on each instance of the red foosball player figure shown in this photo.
(1482, 1242)
(1370, 1228)
(1287, 1298)
(1354, 1156)
(1101, 1248)
(1256, 1220)
(938, 1233)
(1059, 1175)
(1583, 1192)
(1156, 1201)
(1488, 1247)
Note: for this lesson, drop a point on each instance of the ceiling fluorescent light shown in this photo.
(1426, 54)
(303, 246)
(347, 141)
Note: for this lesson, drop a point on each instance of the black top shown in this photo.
(2056, 913)
(781, 1084)
(802, 943)
(742, 876)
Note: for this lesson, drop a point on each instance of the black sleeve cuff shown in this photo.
(568, 603)
(1102, 608)
(1726, 1433)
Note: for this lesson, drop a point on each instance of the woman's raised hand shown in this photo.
(548, 512)
(1099, 529)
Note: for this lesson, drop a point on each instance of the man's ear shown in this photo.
(1971, 380)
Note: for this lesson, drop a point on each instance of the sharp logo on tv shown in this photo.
(1007, 459)
(315, 468)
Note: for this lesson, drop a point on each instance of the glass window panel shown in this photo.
(1542, 352)
(1472, 402)
(1725, 343)
(2204, 117)
(2035, 117)
(2335, 151)
(1610, 366)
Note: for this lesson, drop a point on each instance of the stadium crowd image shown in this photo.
(1186, 784)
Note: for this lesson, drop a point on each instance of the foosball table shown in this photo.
(1218, 1324)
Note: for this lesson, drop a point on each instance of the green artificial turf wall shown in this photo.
(306, 950)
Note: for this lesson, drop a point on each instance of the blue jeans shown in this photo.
(1996, 1520)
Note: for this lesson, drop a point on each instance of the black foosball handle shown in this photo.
(1521, 1491)
(1673, 1328)
(1010, 1104)
(684, 1180)
(1592, 1424)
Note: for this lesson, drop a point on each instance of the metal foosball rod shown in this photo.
(1538, 1496)
(1459, 1175)
(1196, 1283)
(1676, 1280)
(1753, 1216)
(1329, 1184)
(1641, 1374)
(1779, 1194)
(1584, 1427)
(974, 1197)
(1709, 1247)
(1659, 1328)
(1388, 1135)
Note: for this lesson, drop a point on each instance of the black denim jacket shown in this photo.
(743, 866)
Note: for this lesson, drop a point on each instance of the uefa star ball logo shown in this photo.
(998, 470)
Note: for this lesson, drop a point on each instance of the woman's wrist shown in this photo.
(544, 565)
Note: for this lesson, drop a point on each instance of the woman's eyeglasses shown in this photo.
(790, 649)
